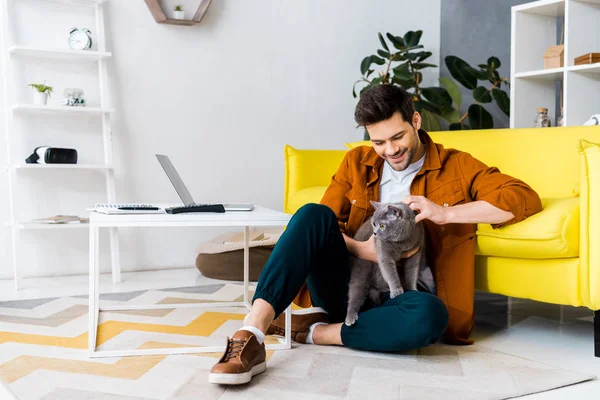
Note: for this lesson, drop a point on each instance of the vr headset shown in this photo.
(52, 155)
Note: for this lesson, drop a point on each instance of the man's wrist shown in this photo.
(449, 215)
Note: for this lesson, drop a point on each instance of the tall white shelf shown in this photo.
(13, 110)
(534, 28)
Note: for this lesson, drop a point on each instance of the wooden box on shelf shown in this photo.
(554, 57)
(589, 58)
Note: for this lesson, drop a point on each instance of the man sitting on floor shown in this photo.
(450, 190)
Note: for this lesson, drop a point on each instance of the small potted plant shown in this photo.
(179, 14)
(41, 93)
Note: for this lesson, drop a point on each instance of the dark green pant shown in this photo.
(312, 250)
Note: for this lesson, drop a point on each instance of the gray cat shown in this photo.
(395, 232)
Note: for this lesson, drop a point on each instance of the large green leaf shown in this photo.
(458, 127)
(438, 96)
(423, 55)
(480, 118)
(430, 121)
(451, 115)
(419, 65)
(412, 38)
(494, 62)
(425, 105)
(365, 64)
(405, 83)
(453, 90)
(482, 75)
(397, 41)
(482, 95)
(502, 100)
(411, 56)
(402, 71)
(399, 56)
(462, 72)
(410, 48)
(383, 54)
(383, 43)
(377, 60)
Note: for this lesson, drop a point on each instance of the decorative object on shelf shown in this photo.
(589, 58)
(560, 121)
(178, 12)
(41, 93)
(554, 57)
(542, 120)
(73, 97)
(403, 62)
(161, 18)
(52, 155)
(594, 120)
(61, 219)
(80, 39)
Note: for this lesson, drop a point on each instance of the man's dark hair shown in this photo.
(380, 102)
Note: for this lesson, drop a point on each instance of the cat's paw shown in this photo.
(396, 292)
(351, 319)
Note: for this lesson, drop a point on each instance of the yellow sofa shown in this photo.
(553, 256)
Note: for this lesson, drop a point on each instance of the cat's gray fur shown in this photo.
(395, 232)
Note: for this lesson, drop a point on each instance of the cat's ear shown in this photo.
(395, 211)
(375, 204)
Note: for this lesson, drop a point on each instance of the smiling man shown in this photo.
(450, 190)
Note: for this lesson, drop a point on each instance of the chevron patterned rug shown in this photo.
(43, 355)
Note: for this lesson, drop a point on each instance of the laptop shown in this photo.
(184, 193)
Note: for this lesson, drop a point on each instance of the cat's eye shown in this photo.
(381, 226)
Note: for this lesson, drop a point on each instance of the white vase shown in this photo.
(40, 99)
(178, 14)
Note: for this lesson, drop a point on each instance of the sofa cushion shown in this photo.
(551, 233)
(304, 196)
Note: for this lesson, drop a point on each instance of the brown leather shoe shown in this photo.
(301, 323)
(243, 358)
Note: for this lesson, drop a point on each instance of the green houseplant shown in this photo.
(403, 64)
(41, 93)
(178, 12)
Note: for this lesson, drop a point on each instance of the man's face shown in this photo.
(397, 141)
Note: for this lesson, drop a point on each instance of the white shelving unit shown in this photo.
(11, 51)
(535, 27)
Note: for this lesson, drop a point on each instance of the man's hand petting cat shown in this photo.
(427, 210)
(366, 250)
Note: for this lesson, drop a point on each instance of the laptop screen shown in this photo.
(175, 179)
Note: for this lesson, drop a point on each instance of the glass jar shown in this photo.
(73, 97)
(560, 119)
(542, 120)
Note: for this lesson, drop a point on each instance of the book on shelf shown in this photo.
(61, 219)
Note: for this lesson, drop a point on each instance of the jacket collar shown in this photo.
(432, 155)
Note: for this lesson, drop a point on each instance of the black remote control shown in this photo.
(192, 208)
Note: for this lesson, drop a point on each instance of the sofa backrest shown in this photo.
(545, 158)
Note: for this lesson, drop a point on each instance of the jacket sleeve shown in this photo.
(498, 189)
(335, 195)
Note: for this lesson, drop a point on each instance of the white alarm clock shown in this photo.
(80, 39)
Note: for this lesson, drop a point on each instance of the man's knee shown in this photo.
(428, 317)
(316, 212)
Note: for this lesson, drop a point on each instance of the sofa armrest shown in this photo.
(589, 250)
(305, 169)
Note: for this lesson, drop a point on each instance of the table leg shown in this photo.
(115, 260)
(93, 296)
(288, 327)
(246, 266)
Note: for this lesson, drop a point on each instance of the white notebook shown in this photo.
(122, 209)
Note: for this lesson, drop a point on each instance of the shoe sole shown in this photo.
(237, 379)
(311, 310)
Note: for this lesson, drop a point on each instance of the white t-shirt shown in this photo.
(394, 187)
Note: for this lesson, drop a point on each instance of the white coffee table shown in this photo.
(260, 216)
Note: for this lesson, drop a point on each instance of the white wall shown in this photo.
(221, 98)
